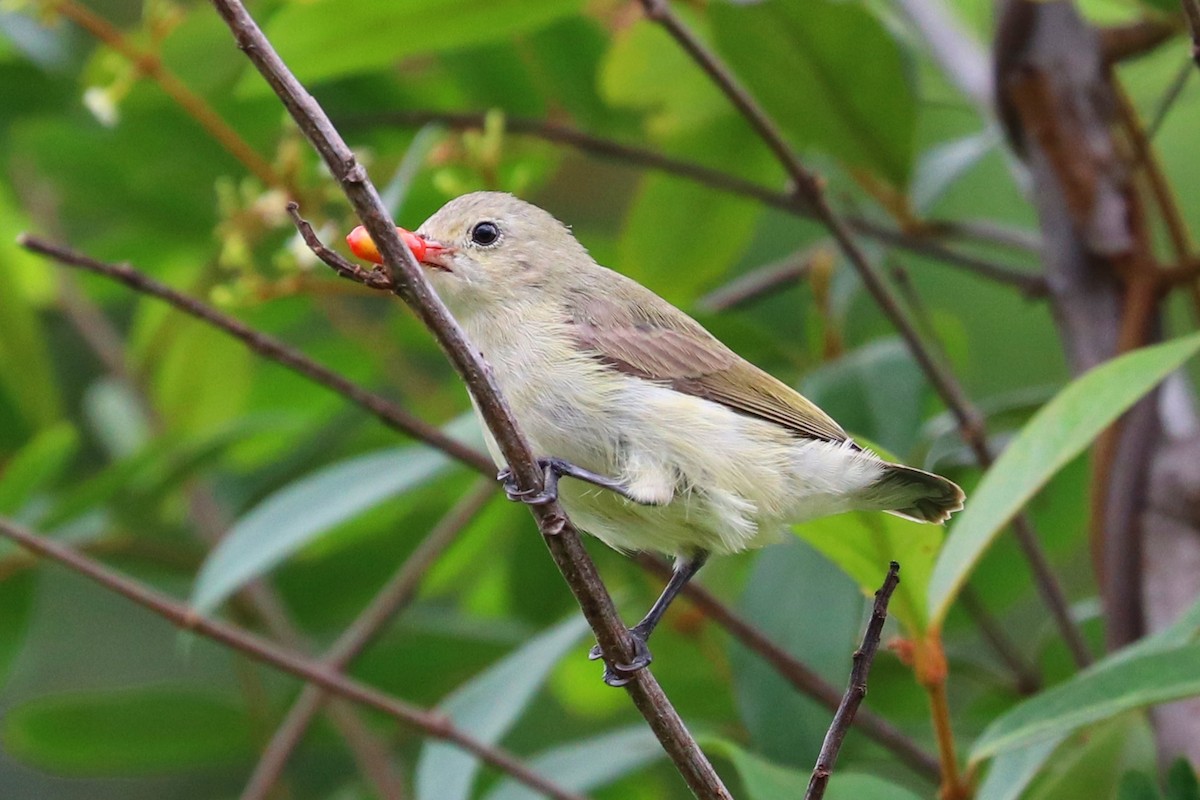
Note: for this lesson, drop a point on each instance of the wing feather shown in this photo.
(656, 341)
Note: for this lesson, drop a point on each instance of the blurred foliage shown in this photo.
(137, 434)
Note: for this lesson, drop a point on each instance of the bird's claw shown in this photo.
(532, 497)
(552, 470)
(621, 674)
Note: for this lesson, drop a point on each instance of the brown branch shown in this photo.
(557, 531)
(810, 190)
(919, 243)
(210, 522)
(149, 64)
(430, 723)
(855, 691)
(1191, 12)
(1128, 41)
(760, 282)
(394, 596)
(799, 675)
(390, 414)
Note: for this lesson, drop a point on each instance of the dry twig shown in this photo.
(855, 691)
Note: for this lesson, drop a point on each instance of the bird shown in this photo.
(676, 444)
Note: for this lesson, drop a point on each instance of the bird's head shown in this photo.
(488, 247)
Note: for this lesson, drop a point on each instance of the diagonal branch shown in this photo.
(810, 190)
(559, 534)
(923, 244)
(393, 597)
(799, 675)
(855, 691)
(429, 722)
(389, 413)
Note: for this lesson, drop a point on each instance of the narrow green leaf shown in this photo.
(942, 165)
(326, 39)
(1097, 694)
(589, 763)
(25, 363)
(804, 62)
(134, 732)
(294, 516)
(1061, 430)
(860, 786)
(488, 706)
(764, 780)
(862, 544)
(786, 582)
(37, 465)
(1013, 770)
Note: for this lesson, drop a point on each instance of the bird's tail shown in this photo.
(917, 495)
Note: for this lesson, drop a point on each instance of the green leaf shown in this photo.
(293, 517)
(326, 39)
(488, 706)
(644, 69)
(136, 732)
(788, 581)
(942, 165)
(877, 391)
(862, 544)
(16, 603)
(1181, 781)
(1137, 785)
(763, 779)
(204, 379)
(860, 786)
(1094, 758)
(36, 466)
(1013, 770)
(587, 764)
(805, 63)
(659, 245)
(25, 363)
(1061, 430)
(1096, 694)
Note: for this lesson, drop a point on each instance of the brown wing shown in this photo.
(656, 341)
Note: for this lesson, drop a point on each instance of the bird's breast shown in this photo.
(566, 402)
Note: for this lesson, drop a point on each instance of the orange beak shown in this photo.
(423, 250)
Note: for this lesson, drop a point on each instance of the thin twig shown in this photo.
(394, 596)
(210, 523)
(1191, 11)
(918, 243)
(391, 414)
(430, 723)
(1172, 94)
(810, 190)
(759, 282)
(559, 534)
(856, 690)
(799, 675)
(151, 65)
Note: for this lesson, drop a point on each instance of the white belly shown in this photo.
(721, 481)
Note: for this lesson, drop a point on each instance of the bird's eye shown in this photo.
(485, 233)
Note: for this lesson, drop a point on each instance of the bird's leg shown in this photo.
(555, 468)
(620, 674)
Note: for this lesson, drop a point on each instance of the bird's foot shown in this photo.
(553, 469)
(621, 674)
